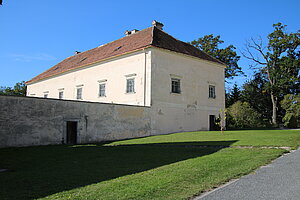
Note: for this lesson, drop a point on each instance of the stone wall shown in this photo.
(26, 121)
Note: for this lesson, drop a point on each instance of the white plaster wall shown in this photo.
(190, 110)
(113, 70)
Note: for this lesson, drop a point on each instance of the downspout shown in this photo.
(145, 77)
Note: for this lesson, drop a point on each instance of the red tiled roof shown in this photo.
(148, 37)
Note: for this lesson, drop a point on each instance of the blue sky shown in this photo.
(35, 34)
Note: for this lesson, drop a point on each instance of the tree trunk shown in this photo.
(274, 109)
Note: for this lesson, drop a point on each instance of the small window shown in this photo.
(102, 90)
(212, 92)
(61, 94)
(175, 84)
(45, 95)
(130, 85)
(79, 93)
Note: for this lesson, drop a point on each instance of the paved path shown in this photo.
(279, 180)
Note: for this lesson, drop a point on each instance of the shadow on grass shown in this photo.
(45, 170)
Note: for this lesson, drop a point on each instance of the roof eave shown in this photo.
(82, 66)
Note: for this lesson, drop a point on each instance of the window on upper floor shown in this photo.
(46, 94)
(175, 85)
(211, 91)
(61, 94)
(130, 85)
(102, 87)
(79, 93)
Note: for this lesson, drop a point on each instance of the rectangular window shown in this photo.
(102, 90)
(79, 93)
(212, 92)
(175, 85)
(130, 85)
(61, 94)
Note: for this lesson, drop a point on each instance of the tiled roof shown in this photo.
(145, 38)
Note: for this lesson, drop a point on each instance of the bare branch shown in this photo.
(249, 55)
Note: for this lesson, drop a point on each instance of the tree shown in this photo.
(255, 92)
(210, 45)
(18, 90)
(291, 104)
(242, 115)
(279, 61)
(233, 96)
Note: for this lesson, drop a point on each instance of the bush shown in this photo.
(291, 105)
(241, 115)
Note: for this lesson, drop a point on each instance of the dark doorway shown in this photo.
(71, 132)
(212, 120)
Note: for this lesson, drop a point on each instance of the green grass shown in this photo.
(257, 138)
(174, 168)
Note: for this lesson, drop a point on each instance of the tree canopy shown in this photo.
(18, 90)
(242, 115)
(291, 104)
(210, 45)
(279, 61)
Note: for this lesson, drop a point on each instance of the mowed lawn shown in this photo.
(159, 167)
(256, 138)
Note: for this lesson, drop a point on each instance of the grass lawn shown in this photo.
(135, 171)
(278, 138)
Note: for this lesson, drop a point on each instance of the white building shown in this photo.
(183, 86)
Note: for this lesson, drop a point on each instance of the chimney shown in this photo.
(134, 31)
(77, 52)
(131, 32)
(127, 32)
(157, 24)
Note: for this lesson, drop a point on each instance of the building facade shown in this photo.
(183, 86)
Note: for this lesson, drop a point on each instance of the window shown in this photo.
(212, 92)
(102, 90)
(79, 93)
(61, 94)
(175, 84)
(130, 85)
(46, 94)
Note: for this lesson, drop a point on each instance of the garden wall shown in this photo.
(26, 121)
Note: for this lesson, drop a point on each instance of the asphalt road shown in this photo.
(278, 180)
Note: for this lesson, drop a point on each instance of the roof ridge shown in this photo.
(126, 36)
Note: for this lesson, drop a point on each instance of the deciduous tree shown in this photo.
(291, 104)
(279, 61)
(210, 45)
(242, 115)
(18, 90)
